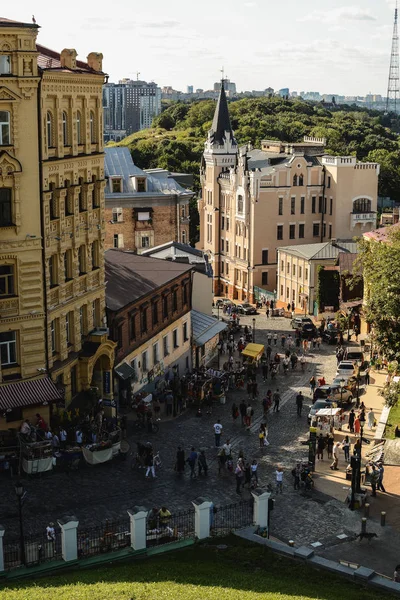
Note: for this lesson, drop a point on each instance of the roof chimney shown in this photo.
(95, 61)
(68, 58)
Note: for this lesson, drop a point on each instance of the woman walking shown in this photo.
(254, 467)
(357, 426)
(312, 385)
(371, 418)
(346, 448)
(239, 474)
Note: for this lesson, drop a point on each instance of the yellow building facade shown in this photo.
(52, 288)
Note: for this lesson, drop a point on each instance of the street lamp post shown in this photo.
(358, 387)
(19, 491)
(254, 330)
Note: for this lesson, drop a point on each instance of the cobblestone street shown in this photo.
(106, 491)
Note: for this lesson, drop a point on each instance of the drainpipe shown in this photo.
(46, 319)
(178, 228)
(323, 204)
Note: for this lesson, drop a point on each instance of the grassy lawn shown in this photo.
(244, 571)
(394, 419)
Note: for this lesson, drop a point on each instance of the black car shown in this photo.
(246, 309)
(308, 331)
(330, 336)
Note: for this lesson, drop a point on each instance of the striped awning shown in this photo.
(30, 392)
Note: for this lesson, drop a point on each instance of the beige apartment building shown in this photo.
(52, 287)
(255, 200)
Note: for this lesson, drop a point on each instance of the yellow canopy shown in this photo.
(253, 350)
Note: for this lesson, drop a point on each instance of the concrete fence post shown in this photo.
(260, 513)
(202, 517)
(69, 537)
(138, 519)
(2, 532)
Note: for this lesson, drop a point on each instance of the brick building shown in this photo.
(148, 308)
(142, 209)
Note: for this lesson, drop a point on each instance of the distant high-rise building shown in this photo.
(129, 106)
(189, 89)
(229, 86)
(283, 93)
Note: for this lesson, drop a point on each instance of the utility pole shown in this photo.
(393, 92)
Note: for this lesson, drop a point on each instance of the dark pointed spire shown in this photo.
(221, 122)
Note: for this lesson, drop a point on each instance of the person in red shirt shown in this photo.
(41, 423)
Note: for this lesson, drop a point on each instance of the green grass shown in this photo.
(393, 420)
(242, 572)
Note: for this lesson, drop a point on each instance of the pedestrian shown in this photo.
(227, 448)
(149, 463)
(381, 472)
(335, 452)
(329, 445)
(371, 418)
(279, 479)
(239, 474)
(367, 377)
(357, 448)
(352, 417)
(247, 474)
(320, 447)
(265, 370)
(312, 385)
(302, 362)
(396, 575)
(63, 437)
(78, 436)
(192, 461)
(180, 460)
(169, 401)
(242, 409)
(275, 339)
(357, 426)
(164, 517)
(217, 432)
(373, 478)
(261, 435)
(299, 403)
(297, 474)
(235, 411)
(254, 467)
(346, 448)
(249, 414)
(276, 398)
(55, 442)
(283, 340)
(222, 458)
(50, 532)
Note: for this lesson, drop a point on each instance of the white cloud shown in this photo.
(337, 15)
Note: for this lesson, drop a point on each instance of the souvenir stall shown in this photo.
(37, 457)
(328, 419)
(253, 353)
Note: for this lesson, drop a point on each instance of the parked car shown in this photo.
(317, 406)
(246, 309)
(330, 336)
(298, 322)
(223, 302)
(347, 381)
(332, 393)
(355, 355)
(345, 368)
(308, 330)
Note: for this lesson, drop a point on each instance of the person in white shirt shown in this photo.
(217, 431)
(50, 532)
(275, 339)
(335, 452)
(48, 435)
(78, 436)
(55, 442)
(279, 479)
(227, 447)
(63, 436)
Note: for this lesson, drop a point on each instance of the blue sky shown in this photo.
(334, 47)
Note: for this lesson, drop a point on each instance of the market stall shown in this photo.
(37, 457)
(253, 352)
(328, 419)
(95, 454)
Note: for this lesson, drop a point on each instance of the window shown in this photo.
(362, 205)
(227, 223)
(279, 232)
(294, 270)
(325, 204)
(96, 313)
(165, 345)
(117, 215)
(320, 204)
(282, 266)
(78, 128)
(165, 307)
(302, 201)
(81, 199)
(118, 240)
(5, 128)
(185, 294)
(280, 206)
(140, 184)
(116, 185)
(92, 128)
(183, 237)
(306, 273)
(174, 301)
(145, 366)
(300, 272)
(68, 265)
(83, 327)
(8, 348)
(95, 255)
(293, 295)
(65, 128)
(264, 259)
(5, 207)
(292, 232)
(53, 271)
(329, 181)
(185, 332)
(315, 229)
(54, 204)
(49, 130)
(69, 321)
(323, 229)
(7, 287)
(54, 336)
(313, 204)
(222, 222)
(301, 181)
(82, 259)
(227, 247)
(282, 291)
(240, 205)
(288, 268)
(295, 180)
(5, 64)
(132, 326)
(143, 321)
(330, 205)
(145, 240)
(175, 340)
(287, 292)
(156, 358)
(293, 206)
(264, 278)
(68, 202)
(301, 230)
(330, 231)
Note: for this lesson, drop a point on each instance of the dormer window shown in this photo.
(5, 64)
(140, 184)
(116, 185)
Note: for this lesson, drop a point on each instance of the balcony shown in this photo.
(9, 307)
(362, 218)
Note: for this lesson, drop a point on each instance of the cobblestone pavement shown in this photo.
(106, 491)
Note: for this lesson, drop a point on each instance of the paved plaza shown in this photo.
(94, 494)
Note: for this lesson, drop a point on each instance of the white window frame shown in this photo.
(117, 214)
(5, 128)
(175, 338)
(165, 345)
(145, 362)
(156, 356)
(5, 64)
(9, 344)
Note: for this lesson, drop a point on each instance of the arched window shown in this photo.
(49, 129)
(301, 180)
(92, 128)
(295, 180)
(78, 128)
(65, 128)
(362, 205)
(5, 121)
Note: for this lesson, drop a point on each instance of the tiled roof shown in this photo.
(9, 23)
(131, 276)
(30, 392)
(50, 59)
